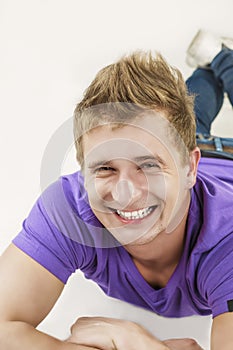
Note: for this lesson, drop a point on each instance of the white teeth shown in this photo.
(137, 214)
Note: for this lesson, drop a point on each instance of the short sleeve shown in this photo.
(48, 236)
(215, 278)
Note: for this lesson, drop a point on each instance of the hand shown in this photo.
(182, 344)
(113, 334)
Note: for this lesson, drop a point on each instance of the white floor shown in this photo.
(50, 51)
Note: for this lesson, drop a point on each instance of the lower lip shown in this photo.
(134, 221)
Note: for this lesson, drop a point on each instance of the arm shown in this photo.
(222, 332)
(27, 294)
(113, 334)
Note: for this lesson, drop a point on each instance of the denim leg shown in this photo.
(222, 66)
(209, 95)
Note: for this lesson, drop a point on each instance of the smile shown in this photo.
(136, 214)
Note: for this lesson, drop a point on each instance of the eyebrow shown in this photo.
(139, 159)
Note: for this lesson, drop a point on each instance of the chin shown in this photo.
(127, 238)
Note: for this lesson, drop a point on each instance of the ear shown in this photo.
(194, 157)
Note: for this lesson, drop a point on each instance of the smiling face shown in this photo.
(136, 183)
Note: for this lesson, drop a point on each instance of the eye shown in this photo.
(104, 170)
(149, 165)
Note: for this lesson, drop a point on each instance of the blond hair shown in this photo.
(136, 83)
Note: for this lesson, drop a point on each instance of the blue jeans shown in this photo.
(209, 86)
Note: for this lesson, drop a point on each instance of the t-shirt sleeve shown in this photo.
(216, 277)
(46, 235)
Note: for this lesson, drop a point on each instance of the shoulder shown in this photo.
(211, 235)
(221, 169)
(209, 269)
(212, 202)
(67, 197)
(214, 275)
(68, 189)
(66, 206)
(57, 234)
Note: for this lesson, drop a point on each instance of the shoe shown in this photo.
(227, 42)
(204, 47)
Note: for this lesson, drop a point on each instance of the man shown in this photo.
(143, 219)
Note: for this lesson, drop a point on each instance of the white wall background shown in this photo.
(50, 50)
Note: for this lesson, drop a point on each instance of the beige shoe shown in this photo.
(204, 47)
(227, 42)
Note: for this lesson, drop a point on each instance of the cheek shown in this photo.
(172, 189)
(176, 191)
(98, 190)
(158, 186)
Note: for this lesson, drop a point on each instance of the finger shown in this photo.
(182, 344)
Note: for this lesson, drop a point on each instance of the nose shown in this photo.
(125, 192)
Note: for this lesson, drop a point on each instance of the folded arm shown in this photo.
(27, 294)
(222, 332)
(114, 334)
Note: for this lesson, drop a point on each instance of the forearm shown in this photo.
(19, 335)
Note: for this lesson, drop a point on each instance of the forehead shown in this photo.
(146, 135)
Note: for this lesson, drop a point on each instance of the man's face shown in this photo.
(136, 184)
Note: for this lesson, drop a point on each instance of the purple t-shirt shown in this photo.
(62, 234)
